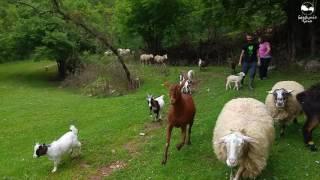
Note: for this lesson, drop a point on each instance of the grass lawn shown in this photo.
(33, 108)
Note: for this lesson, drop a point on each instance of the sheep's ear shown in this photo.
(270, 92)
(220, 141)
(249, 139)
(290, 91)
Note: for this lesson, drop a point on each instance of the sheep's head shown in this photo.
(40, 150)
(242, 74)
(280, 97)
(175, 93)
(235, 143)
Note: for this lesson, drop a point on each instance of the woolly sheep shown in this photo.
(160, 59)
(146, 58)
(247, 123)
(236, 79)
(282, 104)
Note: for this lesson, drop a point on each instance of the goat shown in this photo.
(181, 114)
(310, 103)
(202, 64)
(155, 105)
(146, 58)
(65, 144)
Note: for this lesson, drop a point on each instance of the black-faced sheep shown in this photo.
(243, 136)
(282, 104)
(310, 102)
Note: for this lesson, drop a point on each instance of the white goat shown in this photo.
(108, 53)
(155, 105)
(65, 144)
(160, 59)
(190, 75)
(201, 63)
(236, 79)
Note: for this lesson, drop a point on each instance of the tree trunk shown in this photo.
(313, 40)
(92, 31)
(62, 68)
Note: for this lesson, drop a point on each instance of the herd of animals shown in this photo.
(244, 131)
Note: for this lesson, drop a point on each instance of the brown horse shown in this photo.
(180, 115)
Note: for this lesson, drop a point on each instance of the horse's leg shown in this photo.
(165, 156)
(183, 134)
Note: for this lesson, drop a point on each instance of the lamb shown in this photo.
(236, 79)
(243, 136)
(146, 58)
(155, 105)
(65, 144)
(160, 59)
(310, 102)
(282, 104)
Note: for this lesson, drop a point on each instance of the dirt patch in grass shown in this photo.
(108, 170)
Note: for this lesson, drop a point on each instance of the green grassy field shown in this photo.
(33, 108)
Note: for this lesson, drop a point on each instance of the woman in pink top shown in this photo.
(265, 57)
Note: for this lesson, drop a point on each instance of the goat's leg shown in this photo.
(183, 140)
(165, 156)
(189, 133)
(55, 165)
(239, 173)
(308, 127)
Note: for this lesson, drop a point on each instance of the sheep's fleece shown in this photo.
(250, 117)
(292, 108)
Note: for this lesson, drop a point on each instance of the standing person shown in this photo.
(265, 57)
(249, 59)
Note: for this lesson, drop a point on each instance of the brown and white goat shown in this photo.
(181, 115)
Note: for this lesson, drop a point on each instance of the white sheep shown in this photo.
(123, 52)
(243, 136)
(160, 59)
(146, 58)
(236, 79)
(65, 144)
(282, 104)
(108, 53)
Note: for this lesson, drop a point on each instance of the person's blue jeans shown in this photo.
(249, 68)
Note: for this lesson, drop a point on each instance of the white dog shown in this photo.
(236, 79)
(65, 144)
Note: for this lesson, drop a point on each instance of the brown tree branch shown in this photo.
(92, 31)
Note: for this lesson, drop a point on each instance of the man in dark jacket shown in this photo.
(249, 59)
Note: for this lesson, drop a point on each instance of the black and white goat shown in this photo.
(155, 105)
(186, 80)
(65, 144)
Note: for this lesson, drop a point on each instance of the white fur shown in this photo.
(123, 52)
(65, 144)
(160, 59)
(190, 74)
(186, 88)
(236, 80)
(146, 58)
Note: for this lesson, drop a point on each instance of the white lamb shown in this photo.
(243, 136)
(236, 79)
(282, 104)
(65, 144)
(160, 59)
(146, 58)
